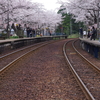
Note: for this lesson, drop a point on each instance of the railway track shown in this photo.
(40, 76)
(85, 59)
(10, 59)
(95, 61)
(86, 73)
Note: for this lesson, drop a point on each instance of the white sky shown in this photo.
(48, 4)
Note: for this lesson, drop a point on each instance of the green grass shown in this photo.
(14, 37)
(73, 36)
(70, 36)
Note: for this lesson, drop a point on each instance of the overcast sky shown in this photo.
(48, 4)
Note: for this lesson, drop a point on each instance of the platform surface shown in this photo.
(10, 40)
(92, 42)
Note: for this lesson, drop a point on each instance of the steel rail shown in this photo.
(85, 59)
(22, 56)
(87, 93)
(25, 54)
(19, 50)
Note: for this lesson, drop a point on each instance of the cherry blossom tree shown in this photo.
(26, 12)
(83, 10)
(87, 11)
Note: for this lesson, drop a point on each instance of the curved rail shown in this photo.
(16, 60)
(78, 79)
(19, 50)
(95, 67)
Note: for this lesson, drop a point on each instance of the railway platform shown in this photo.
(91, 46)
(9, 44)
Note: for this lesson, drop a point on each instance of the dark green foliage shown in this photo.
(68, 25)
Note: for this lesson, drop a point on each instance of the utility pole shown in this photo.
(8, 34)
(98, 19)
(70, 25)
